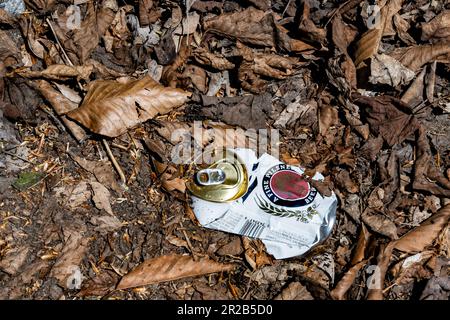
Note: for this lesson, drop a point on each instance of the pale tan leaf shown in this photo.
(101, 197)
(338, 293)
(169, 268)
(69, 93)
(423, 236)
(386, 70)
(102, 170)
(414, 95)
(110, 108)
(61, 105)
(415, 57)
(294, 291)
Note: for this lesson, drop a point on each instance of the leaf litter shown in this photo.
(92, 206)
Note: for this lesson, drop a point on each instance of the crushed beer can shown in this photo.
(262, 198)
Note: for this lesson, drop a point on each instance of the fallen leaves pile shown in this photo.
(92, 206)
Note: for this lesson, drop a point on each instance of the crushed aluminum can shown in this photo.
(274, 202)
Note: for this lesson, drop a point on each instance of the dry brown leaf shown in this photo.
(170, 73)
(294, 291)
(392, 8)
(102, 170)
(100, 285)
(174, 240)
(438, 29)
(361, 246)
(101, 197)
(9, 53)
(389, 117)
(80, 43)
(368, 45)
(402, 26)
(233, 248)
(6, 18)
(110, 107)
(430, 81)
(105, 224)
(59, 72)
(386, 70)
(377, 279)
(307, 27)
(381, 224)
(204, 57)
(169, 177)
(148, 12)
(343, 35)
(197, 76)
(427, 176)
(253, 26)
(169, 268)
(338, 293)
(61, 105)
(414, 95)
(13, 259)
(344, 180)
(68, 262)
(415, 57)
(328, 117)
(255, 253)
(423, 236)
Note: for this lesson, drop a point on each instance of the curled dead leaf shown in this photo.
(380, 223)
(169, 268)
(253, 26)
(361, 246)
(59, 72)
(415, 57)
(427, 176)
(294, 291)
(204, 57)
(438, 29)
(423, 236)
(389, 117)
(368, 45)
(338, 293)
(110, 107)
(101, 197)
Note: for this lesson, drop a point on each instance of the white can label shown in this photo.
(280, 207)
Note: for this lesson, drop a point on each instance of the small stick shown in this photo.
(115, 163)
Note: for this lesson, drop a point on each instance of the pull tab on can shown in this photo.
(224, 181)
(210, 177)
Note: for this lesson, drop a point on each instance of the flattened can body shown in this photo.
(279, 206)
